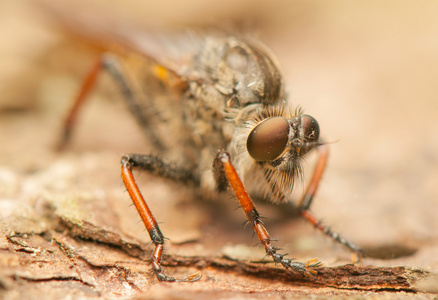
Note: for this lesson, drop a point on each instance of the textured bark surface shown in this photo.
(66, 226)
(103, 263)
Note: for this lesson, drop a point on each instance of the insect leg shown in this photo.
(158, 167)
(85, 89)
(110, 64)
(113, 67)
(306, 201)
(128, 163)
(253, 218)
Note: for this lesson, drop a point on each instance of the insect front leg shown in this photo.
(153, 164)
(253, 217)
(306, 201)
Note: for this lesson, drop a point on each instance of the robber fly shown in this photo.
(224, 96)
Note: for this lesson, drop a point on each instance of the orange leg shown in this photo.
(307, 198)
(86, 87)
(111, 65)
(157, 238)
(306, 201)
(253, 218)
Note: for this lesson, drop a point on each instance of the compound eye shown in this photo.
(268, 139)
(310, 128)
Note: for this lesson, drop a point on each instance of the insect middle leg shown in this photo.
(158, 167)
(253, 218)
(306, 201)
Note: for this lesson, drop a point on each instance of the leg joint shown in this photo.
(156, 236)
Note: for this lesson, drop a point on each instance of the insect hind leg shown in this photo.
(85, 89)
(112, 65)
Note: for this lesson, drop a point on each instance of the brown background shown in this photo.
(367, 71)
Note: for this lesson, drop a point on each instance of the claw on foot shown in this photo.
(356, 257)
(311, 265)
(304, 269)
(192, 278)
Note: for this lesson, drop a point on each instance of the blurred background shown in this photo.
(366, 70)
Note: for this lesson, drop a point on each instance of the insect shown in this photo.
(224, 96)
